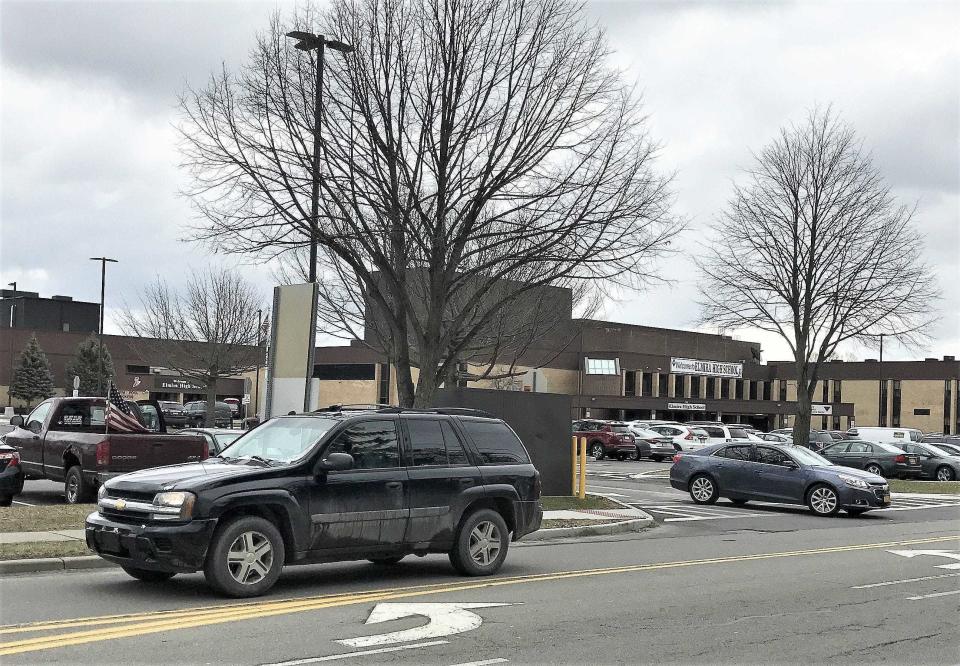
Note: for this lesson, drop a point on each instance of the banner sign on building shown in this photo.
(821, 410)
(692, 366)
(686, 406)
(177, 384)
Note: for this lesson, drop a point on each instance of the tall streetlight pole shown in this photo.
(883, 386)
(13, 307)
(256, 390)
(103, 288)
(308, 42)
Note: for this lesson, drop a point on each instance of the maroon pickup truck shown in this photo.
(64, 439)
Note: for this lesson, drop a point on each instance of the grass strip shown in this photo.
(44, 518)
(26, 551)
(904, 486)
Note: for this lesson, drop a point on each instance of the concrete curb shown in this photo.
(603, 529)
(8, 567)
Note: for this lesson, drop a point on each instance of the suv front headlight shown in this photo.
(854, 482)
(176, 505)
(102, 492)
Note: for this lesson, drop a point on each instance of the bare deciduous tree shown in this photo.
(813, 247)
(474, 153)
(207, 332)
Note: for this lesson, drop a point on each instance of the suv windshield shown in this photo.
(284, 439)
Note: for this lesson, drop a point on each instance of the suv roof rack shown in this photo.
(362, 406)
(449, 411)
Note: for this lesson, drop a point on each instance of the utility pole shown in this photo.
(883, 386)
(103, 288)
(13, 321)
(256, 390)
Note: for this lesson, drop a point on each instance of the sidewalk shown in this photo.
(34, 537)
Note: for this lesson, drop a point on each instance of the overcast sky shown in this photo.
(89, 160)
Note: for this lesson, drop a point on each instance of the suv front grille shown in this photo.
(135, 495)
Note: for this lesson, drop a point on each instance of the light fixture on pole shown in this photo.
(103, 284)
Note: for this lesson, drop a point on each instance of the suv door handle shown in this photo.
(394, 485)
(466, 482)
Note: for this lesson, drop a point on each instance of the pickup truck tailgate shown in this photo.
(134, 452)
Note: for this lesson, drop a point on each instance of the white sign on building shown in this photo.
(686, 406)
(821, 410)
(693, 366)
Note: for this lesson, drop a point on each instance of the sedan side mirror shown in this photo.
(16, 421)
(333, 462)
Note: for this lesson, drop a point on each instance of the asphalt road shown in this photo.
(769, 585)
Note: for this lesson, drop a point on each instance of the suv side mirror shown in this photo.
(35, 427)
(333, 462)
(16, 421)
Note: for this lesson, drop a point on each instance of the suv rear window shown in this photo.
(620, 428)
(496, 443)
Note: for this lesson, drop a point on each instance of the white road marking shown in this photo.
(905, 580)
(23, 503)
(935, 594)
(614, 495)
(949, 554)
(361, 653)
(445, 619)
(692, 518)
(483, 663)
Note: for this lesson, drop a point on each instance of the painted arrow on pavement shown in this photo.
(445, 620)
(953, 555)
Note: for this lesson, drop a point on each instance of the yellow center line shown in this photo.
(170, 620)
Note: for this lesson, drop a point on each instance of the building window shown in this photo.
(383, 388)
(738, 389)
(334, 371)
(725, 389)
(921, 411)
(603, 366)
(663, 381)
(767, 390)
(896, 403)
(694, 387)
(678, 386)
(836, 422)
(783, 391)
(630, 383)
(883, 404)
(711, 387)
(753, 389)
(837, 391)
(646, 384)
(825, 399)
(947, 385)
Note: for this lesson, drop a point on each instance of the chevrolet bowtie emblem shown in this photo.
(120, 505)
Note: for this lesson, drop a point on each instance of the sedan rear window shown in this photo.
(496, 443)
(889, 448)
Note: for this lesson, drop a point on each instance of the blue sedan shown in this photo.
(776, 473)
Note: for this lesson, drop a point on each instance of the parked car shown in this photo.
(234, 405)
(11, 474)
(606, 438)
(939, 438)
(775, 438)
(378, 484)
(895, 436)
(64, 439)
(720, 432)
(651, 444)
(817, 440)
(952, 449)
(839, 435)
(775, 473)
(217, 438)
(687, 438)
(936, 462)
(197, 414)
(877, 458)
(173, 413)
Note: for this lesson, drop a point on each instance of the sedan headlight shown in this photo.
(854, 482)
(102, 492)
(174, 505)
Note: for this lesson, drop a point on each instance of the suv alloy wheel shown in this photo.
(596, 450)
(245, 557)
(481, 545)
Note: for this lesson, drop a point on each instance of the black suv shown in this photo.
(323, 487)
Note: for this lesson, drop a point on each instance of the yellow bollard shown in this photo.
(583, 468)
(573, 467)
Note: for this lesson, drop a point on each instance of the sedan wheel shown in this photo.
(875, 469)
(823, 501)
(597, 451)
(703, 490)
(945, 473)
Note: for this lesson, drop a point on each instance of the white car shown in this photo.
(723, 432)
(688, 438)
(776, 438)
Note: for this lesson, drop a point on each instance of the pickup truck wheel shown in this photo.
(481, 545)
(245, 557)
(148, 576)
(596, 450)
(75, 489)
